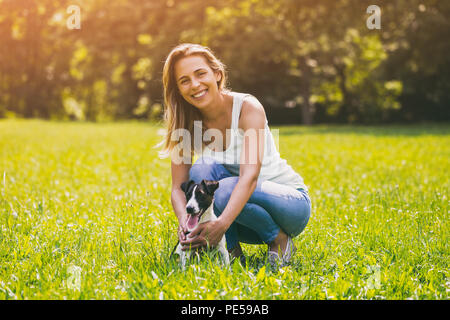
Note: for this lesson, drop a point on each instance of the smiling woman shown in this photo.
(260, 198)
(179, 110)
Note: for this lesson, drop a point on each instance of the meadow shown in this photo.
(85, 213)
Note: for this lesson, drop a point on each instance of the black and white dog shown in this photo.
(200, 208)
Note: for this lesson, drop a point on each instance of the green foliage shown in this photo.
(85, 213)
(365, 96)
(316, 54)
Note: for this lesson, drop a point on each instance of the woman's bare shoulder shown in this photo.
(252, 113)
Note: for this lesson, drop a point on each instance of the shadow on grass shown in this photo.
(385, 130)
(168, 263)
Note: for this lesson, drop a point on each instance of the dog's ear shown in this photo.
(186, 185)
(210, 185)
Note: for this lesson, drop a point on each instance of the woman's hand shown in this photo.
(181, 232)
(207, 233)
(182, 228)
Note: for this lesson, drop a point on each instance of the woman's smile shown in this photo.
(200, 95)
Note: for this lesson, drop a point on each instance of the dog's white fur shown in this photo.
(207, 216)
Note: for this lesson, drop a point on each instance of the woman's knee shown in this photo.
(223, 192)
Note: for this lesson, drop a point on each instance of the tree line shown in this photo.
(307, 61)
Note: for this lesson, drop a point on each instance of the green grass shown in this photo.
(94, 200)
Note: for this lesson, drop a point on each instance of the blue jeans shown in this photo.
(271, 207)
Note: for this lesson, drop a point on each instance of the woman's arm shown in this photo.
(252, 121)
(180, 174)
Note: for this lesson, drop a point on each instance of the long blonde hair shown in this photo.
(178, 113)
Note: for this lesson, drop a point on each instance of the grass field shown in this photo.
(85, 214)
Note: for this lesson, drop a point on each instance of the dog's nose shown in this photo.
(190, 210)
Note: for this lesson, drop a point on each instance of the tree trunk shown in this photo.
(307, 110)
(346, 108)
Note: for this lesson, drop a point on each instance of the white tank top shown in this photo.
(273, 167)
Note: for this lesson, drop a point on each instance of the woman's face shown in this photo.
(196, 81)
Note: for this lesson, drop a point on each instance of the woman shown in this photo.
(260, 198)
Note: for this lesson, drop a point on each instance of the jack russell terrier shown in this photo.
(200, 209)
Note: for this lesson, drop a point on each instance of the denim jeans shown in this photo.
(271, 207)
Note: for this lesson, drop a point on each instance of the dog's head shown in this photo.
(199, 197)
